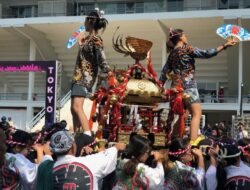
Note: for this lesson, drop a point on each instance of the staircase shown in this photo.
(64, 113)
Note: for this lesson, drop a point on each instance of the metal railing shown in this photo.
(225, 99)
(169, 6)
(21, 96)
(41, 114)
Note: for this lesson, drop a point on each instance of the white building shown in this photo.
(39, 30)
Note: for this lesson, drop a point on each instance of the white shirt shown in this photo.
(153, 177)
(232, 171)
(100, 164)
(23, 168)
(242, 134)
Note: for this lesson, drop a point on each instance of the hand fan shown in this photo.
(233, 32)
(73, 39)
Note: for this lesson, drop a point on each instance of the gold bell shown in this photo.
(113, 99)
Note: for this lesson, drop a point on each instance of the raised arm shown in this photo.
(199, 53)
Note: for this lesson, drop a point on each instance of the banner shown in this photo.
(50, 67)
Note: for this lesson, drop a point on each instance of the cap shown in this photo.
(61, 142)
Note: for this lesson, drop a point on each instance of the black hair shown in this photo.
(176, 145)
(174, 38)
(221, 173)
(138, 146)
(82, 140)
(96, 20)
(19, 138)
(49, 131)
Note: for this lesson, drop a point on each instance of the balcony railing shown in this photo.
(21, 96)
(80, 7)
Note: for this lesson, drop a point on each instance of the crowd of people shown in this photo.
(55, 158)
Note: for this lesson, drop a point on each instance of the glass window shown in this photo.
(153, 6)
(139, 7)
(130, 7)
(23, 12)
(86, 8)
(108, 8)
(175, 5)
(222, 4)
(233, 4)
(121, 8)
(246, 3)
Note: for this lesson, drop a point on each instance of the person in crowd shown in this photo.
(215, 133)
(4, 124)
(3, 151)
(221, 94)
(244, 146)
(180, 67)
(207, 130)
(18, 171)
(230, 172)
(179, 174)
(132, 173)
(213, 97)
(3, 147)
(70, 172)
(10, 121)
(242, 133)
(90, 56)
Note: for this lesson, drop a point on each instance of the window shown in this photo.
(222, 4)
(24, 12)
(121, 8)
(246, 3)
(130, 7)
(175, 5)
(153, 6)
(233, 4)
(108, 8)
(139, 8)
(84, 9)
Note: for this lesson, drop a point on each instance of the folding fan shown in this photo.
(233, 32)
(73, 39)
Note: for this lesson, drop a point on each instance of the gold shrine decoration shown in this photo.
(142, 91)
(135, 47)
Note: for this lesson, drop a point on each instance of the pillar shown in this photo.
(32, 57)
(240, 77)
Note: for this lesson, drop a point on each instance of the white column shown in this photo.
(5, 89)
(32, 57)
(240, 77)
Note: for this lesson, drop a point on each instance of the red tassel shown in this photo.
(182, 126)
(150, 66)
(93, 111)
